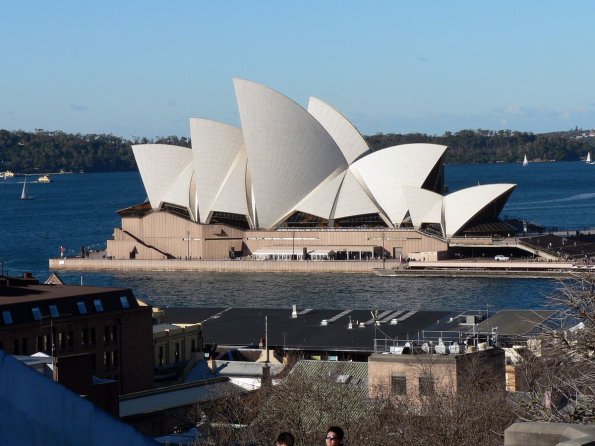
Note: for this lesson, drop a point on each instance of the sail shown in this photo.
(588, 157)
(525, 161)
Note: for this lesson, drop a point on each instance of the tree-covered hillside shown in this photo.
(52, 151)
(486, 146)
(43, 151)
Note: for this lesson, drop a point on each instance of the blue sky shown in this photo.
(142, 68)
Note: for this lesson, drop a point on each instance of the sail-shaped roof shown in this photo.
(290, 153)
(463, 205)
(285, 159)
(232, 197)
(215, 148)
(353, 199)
(424, 206)
(386, 170)
(163, 169)
(348, 138)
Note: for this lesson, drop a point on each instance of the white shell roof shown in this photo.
(352, 199)
(462, 205)
(347, 137)
(163, 167)
(424, 206)
(232, 195)
(289, 152)
(321, 201)
(215, 148)
(385, 171)
(179, 191)
(286, 159)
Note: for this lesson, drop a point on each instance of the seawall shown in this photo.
(79, 264)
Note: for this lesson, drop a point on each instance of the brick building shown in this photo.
(109, 324)
(421, 375)
(175, 343)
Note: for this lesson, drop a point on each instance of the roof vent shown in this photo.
(362, 325)
(324, 322)
(294, 312)
(393, 321)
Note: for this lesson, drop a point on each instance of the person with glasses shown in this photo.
(284, 439)
(334, 436)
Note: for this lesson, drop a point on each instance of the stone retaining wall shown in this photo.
(77, 264)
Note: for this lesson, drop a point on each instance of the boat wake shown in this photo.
(579, 197)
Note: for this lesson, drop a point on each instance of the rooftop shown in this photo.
(363, 331)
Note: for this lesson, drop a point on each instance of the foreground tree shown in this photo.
(306, 406)
(559, 380)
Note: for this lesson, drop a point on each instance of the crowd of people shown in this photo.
(334, 437)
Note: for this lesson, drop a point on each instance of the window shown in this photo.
(36, 313)
(124, 302)
(92, 340)
(115, 358)
(398, 384)
(426, 385)
(62, 340)
(98, 305)
(43, 343)
(114, 333)
(85, 337)
(82, 307)
(7, 316)
(70, 339)
(54, 311)
(25, 348)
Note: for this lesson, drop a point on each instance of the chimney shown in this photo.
(266, 379)
(294, 314)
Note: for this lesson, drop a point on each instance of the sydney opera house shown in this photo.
(296, 183)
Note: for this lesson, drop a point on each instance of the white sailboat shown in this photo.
(24, 194)
(525, 161)
(588, 160)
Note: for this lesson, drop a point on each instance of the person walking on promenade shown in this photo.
(334, 436)
(284, 439)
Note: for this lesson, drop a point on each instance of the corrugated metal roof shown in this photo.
(355, 373)
(515, 322)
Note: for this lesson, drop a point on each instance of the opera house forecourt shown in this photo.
(297, 184)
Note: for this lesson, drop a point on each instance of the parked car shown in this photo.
(501, 258)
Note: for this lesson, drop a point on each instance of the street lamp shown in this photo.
(383, 255)
(188, 238)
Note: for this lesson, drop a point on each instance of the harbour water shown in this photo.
(80, 209)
